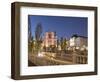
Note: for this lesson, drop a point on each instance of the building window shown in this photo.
(49, 36)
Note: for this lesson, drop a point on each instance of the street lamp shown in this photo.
(40, 54)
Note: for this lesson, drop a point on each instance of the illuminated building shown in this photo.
(78, 42)
(50, 39)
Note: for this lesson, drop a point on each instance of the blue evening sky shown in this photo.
(63, 26)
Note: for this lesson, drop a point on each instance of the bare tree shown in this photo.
(38, 31)
(30, 37)
(38, 35)
(63, 43)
